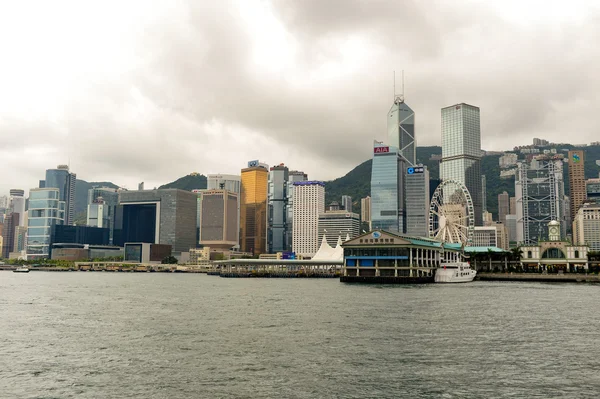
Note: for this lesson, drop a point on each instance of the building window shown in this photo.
(577, 254)
(529, 254)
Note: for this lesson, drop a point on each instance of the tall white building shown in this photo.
(485, 236)
(309, 202)
(586, 227)
(365, 210)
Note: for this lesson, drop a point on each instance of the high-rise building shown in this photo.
(218, 218)
(401, 130)
(45, 210)
(483, 193)
(17, 204)
(416, 186)
(98, 214)
(485, 236)
(576, 181)
(165, 216)
(4, 201)
(102, 208)
(277, 211)
(231, 183)
(592, 190)
(586, 226)
(294, 176)
(511, 227)
(11, 223)
(461, 151)
(365, 210)
(347, 203)
(539, 191)
(309, 203)
(513, 205)
(503, 207)
(64, 181)
(253, 208)
(387, 193)
(20, 244)
(338, 224)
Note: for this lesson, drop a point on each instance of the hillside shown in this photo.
(190, 182)
(81, 193)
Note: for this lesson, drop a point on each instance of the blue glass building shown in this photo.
(45, 211)
(387, 195)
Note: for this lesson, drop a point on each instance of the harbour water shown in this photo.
(117, 335)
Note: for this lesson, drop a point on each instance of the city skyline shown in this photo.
(162, 82)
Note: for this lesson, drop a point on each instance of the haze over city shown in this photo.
(130, 92)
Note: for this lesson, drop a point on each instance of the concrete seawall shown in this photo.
(546, 278)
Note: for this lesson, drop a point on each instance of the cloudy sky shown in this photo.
(131, 91)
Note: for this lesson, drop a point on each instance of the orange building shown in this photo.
(253, 208)
(576, 181)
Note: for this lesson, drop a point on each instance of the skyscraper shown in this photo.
(387, 193)
(576, 181)
(483, 193)
(253, 208)
(231, 183)
(365, 210)
(309, 203)
(539, 191)
(218, 218)
(401, 130)
(417, 201)
(45, 210)
(461, 151)
(347, 203)
(503, 207)
(64, 181)
(277, 211)
(294, 176)
(338, 224)
(102, 208)
(17, 204)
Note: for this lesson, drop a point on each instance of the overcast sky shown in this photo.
(131, 91)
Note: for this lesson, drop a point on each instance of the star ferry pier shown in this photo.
(383, 257)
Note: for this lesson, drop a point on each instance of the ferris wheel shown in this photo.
(451, 214)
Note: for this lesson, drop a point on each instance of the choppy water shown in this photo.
(104, 335)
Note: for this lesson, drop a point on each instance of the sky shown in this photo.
(132, 91)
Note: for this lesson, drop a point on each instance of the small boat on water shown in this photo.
(21, 270)
(455, 272)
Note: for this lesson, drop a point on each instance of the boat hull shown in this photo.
(454, 276)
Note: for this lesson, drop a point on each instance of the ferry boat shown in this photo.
(455, 272)
(21, 270)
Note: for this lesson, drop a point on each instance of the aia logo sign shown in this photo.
(381, 150)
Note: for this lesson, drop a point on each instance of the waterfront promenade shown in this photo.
(540, 277)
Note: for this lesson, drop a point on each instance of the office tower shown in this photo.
(503, 207)
(592, 190)
(576, 181)
(347, 203)
(513, 205)
(4, 201)
(488, 219)
(309, 202)
(277, 212)
(11, 222)
(64, 181)
(365, 210)
(218, 218)
(502, 240)
(387, 193)
(461, 151)
(17, 204)
(483, 193)
(401, 130)
(253, 208)
(46, 209)
(417, 201)
(165, 216)
(586, 226)
(20, 243)
(511, 227)
(106, 198)
(338, 224)
(230, 183)
(294, 176)
(539, 192)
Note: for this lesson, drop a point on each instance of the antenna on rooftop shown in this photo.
(398, 99)
(402, 95)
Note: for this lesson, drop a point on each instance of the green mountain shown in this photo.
(190, 182)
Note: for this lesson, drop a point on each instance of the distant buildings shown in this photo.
(347, 203)
(231, 183)
(387, 195)
(65, 181)
(165, 216)
(508, 160)
(218, 218)
(417, 201)
(577, 187)
(309, 203)
(102, 208)
(45, 210)
(253, 208)
(540, 197)
(592, 190)
(365, 210)
(461, 151)
(17, 204)
(586, 226)
(485, 236)
(540, 142)
(338, 224)
(503, 206)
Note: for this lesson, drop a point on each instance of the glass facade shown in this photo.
(277, 209)
(253, 209)
(401, 130)
(417, 202)
(387, 196)
(461, 151)
(45, 211)
(64, 181)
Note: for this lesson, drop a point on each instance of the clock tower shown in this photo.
(554, 231)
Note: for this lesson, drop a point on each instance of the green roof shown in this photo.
(484, 249)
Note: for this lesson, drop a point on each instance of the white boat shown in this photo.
(21, 270)
(455, 272)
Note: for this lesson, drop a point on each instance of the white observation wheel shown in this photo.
(451, 214)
